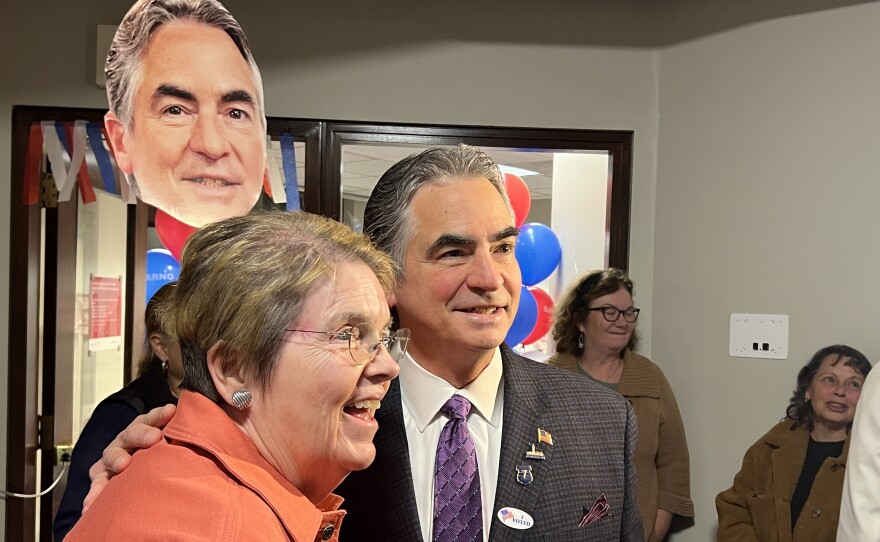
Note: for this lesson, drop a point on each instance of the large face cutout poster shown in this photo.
(186, 121)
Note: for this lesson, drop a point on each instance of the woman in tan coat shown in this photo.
(595, 336)
(789, 487)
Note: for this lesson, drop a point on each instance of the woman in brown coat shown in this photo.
(789, 487)
(595, 336)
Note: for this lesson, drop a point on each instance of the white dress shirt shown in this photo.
(423, 395)
(860, 503)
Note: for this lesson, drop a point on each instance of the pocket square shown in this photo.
(598, 511)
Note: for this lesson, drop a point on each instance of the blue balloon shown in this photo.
(525, 319)
(162, 268)
(538, 252)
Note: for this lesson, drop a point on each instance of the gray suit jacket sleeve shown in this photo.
(594, 435)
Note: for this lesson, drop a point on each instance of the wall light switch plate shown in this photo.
(759, 336)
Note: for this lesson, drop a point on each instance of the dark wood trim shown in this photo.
(135, 285)
(620, 205)
(21, 383)
(59, 342)
(617, 143)
(25, 266)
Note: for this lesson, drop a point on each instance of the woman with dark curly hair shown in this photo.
(595, 334)
(791, 480)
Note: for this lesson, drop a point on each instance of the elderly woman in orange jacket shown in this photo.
(791, 480)
(284, 327)
(595, 334)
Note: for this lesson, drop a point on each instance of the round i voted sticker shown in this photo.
(515, 518)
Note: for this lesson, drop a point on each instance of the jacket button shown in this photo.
(815, 512)
(327, 532)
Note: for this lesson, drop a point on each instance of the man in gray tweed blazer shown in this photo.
(563, 444)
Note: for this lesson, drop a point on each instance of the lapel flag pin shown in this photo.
(545, 437)
(535, 454)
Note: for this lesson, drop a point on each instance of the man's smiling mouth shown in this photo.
(483, 310)
(211, 182)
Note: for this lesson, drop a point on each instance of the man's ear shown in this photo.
(157, 343)
(225, 381)
(117, 134)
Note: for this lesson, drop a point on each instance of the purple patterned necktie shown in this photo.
(458, 514)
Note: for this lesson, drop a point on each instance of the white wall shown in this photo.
(398, 73)
(767, 197)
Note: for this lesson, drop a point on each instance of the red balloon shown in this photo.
(172, 232)
(520, 197)
(545, 315)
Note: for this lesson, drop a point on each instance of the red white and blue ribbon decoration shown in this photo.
(78, 170)
(66, 147)
(33, 166)
(276, 180)
(54, 149)
(288, 163)
(105, 166)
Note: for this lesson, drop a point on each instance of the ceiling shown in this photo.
(613, 23)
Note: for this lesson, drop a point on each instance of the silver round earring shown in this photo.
(581, 340)
(242, 399)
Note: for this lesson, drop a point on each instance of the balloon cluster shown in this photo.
(163, 266)
(538, 253)
(172, 232)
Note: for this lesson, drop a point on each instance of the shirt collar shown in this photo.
(424, 393)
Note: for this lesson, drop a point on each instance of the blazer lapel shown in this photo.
(523, 402)
(395, 463)
(381, 499)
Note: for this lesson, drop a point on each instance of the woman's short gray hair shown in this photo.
(387, 218)
(245, 280)
(124, 67)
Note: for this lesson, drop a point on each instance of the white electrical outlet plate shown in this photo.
(759, 336)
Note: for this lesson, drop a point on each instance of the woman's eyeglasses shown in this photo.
(611, 313)
(363, 348)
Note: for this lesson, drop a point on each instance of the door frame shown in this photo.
(616, 142)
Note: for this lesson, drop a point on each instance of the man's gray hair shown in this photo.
(387, 217)
(124, 67)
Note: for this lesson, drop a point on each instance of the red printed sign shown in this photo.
(105, 313)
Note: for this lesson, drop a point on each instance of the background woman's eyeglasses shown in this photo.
(611, 314)
(364, 349)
